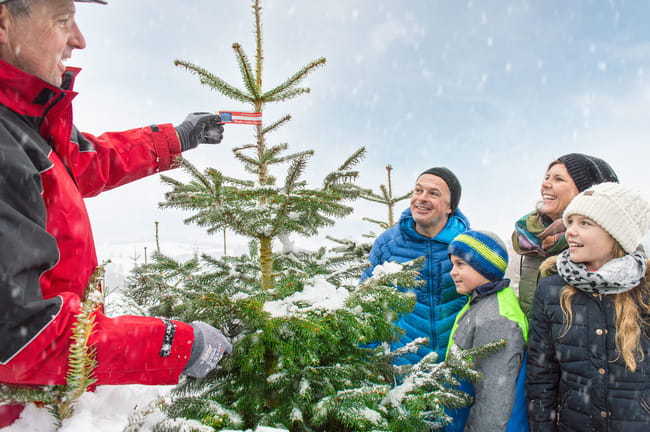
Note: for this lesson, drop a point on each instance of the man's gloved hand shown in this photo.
(200, 127)
(208, 348)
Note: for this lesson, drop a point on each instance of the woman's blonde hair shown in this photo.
(631, 308)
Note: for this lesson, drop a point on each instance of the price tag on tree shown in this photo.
(247, 118)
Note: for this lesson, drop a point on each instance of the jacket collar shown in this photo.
(490, 288)
(29, 95)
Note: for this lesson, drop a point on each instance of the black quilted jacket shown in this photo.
(578, 382)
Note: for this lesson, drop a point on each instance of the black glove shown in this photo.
(200, 127)
(208, 348)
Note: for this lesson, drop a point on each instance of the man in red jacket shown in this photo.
(47, 252)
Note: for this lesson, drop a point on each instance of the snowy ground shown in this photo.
(105, 410)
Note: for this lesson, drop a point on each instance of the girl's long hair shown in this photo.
(632, 317)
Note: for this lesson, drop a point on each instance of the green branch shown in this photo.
(246, 72)
(293, 81)
(215, 82)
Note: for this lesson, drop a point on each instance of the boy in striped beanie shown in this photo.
(492, 312)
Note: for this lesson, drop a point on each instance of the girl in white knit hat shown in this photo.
(589, 340)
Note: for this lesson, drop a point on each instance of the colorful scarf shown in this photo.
(614, 277)
(537, 234)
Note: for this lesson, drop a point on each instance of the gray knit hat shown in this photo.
(618, 209)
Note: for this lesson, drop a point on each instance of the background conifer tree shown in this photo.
(385, 197)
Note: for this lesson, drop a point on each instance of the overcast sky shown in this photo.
(494, 90)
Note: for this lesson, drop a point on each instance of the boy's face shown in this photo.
(464, 276)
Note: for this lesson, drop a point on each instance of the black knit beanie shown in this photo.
(452, 183)
(587, 171)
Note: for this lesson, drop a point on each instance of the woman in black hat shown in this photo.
(540, 233)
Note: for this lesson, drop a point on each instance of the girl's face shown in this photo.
(588, 242)
(558, 189)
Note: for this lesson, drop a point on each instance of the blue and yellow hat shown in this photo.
(483, 250)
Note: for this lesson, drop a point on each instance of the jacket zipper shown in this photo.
(603, 312)
(433, 342)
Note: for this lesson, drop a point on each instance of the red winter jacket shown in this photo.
(47, 253)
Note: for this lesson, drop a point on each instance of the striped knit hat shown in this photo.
(484, 251)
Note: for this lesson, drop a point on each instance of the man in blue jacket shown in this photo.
(426, 229)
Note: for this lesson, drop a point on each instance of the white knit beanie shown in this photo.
(618, 209)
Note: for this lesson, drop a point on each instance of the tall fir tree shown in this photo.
(260, 208)
(309, 343)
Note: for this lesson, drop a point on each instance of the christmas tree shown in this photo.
(309, 343)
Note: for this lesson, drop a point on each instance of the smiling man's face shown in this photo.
(430, 204)
(40, 42)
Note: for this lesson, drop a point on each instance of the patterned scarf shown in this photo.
(536, 234)
(616, 276)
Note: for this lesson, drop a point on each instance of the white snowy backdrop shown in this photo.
(492, 89)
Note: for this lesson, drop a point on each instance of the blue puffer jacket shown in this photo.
(437, 302)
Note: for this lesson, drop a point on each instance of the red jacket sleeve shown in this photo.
(129, 350)
(34, 331)
(103, 162)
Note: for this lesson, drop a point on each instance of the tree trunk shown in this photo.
(266, 263)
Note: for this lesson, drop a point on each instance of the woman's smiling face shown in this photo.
(557, 190)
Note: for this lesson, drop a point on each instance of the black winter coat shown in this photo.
(579, 382)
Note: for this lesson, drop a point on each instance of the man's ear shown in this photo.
(5, 23)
